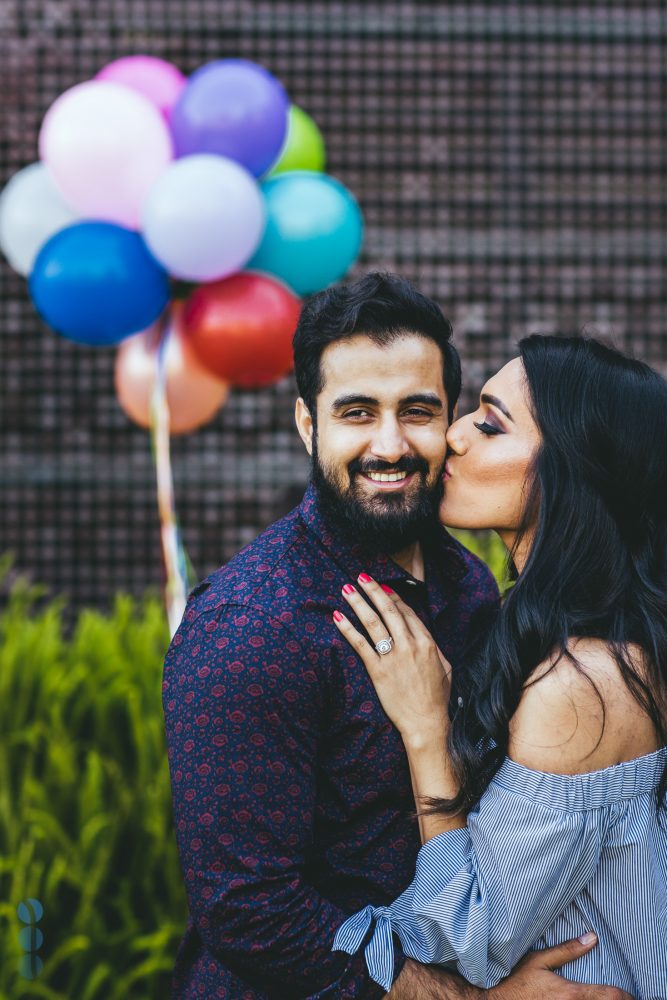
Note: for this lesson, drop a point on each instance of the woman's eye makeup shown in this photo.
(487, 428)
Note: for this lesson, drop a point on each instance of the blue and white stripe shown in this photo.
(543, 858)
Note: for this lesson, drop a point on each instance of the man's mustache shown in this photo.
(406, 464)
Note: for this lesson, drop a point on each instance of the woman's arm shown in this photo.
(413, 684)
(482, 895)
(432, 777)
(484, 889)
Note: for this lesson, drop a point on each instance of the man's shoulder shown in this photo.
(254, 573)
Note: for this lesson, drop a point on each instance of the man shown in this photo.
(292, 795)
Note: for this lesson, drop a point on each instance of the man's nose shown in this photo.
(457, 439)
(389, 442)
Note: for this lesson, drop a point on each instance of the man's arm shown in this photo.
(533, 979)
(244, 717)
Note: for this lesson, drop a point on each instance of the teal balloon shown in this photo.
(96, 283)
(313, 233)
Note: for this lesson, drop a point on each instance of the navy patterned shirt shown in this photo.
(292, 797)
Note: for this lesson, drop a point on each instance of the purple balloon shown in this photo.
(233, 108)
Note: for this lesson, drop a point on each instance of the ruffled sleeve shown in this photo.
(483, 895)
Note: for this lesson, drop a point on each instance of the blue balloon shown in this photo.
(96, 283)
(313, 233)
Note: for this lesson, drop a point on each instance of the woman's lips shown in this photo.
(448, 472)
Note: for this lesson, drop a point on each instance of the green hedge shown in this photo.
(85, 805)
(488, 547)
(86, 824)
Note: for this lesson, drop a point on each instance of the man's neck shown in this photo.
(411, 559)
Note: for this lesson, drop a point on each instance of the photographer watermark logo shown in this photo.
(30, 912)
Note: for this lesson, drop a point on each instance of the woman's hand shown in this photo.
(413, 679)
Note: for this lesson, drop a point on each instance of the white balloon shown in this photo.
(204, 218)
(32, 210)
(105, 145)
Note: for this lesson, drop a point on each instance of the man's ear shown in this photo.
(304, 424)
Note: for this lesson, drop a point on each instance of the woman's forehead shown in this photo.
(509, 384)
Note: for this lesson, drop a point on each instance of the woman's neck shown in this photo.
(520, 551)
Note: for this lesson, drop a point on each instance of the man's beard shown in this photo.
(385, 523)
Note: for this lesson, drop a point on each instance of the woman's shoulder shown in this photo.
(576, 717)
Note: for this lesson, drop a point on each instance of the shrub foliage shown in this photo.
(86, 822)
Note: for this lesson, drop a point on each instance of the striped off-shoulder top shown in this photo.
(544, 858)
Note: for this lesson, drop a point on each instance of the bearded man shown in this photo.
(291, 789)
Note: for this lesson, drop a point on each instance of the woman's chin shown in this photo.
(448, 518)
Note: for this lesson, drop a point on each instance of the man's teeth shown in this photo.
(386, 477)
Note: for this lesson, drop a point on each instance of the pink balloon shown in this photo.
(194, 396)
(160, 81)
(105, 146)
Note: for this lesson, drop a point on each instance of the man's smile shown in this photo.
(388, 481)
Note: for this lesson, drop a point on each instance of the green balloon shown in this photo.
(304, 146)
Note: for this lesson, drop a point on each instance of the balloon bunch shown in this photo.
(146, 176)
(153, 187)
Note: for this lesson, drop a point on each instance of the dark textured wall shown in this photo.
(509, 157)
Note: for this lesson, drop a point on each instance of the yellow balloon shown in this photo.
(304, 145)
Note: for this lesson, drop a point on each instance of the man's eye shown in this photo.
(415, 411)
(357, 413)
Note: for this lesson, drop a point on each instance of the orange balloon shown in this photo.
(241, 328)
(194, 396)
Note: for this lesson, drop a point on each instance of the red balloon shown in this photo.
(241, 328)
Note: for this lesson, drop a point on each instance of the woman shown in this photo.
(545, 775)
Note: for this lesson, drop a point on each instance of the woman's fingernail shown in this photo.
(337, 616)
(589, 938)
(386, 589)
(348, 589)
(365, 578)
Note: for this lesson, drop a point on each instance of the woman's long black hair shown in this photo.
(597, 566)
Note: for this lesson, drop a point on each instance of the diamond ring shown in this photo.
(384, 645)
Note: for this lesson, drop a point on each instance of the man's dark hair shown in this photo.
(380, 306)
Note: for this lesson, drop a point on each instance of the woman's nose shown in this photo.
(456, 437)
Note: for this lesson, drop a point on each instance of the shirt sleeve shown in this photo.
(483, 895)
(243, 714)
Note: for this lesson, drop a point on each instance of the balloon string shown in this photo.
(175, 557)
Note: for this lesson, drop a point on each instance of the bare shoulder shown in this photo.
(577, 718)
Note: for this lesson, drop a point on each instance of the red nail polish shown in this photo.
(337, 616)
(386, 589)
(348, 589)
(365, 578)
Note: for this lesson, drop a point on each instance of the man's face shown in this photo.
(379, 446)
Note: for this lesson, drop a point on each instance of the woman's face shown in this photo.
(490, 453)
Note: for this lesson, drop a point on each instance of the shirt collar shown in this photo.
(443, 563)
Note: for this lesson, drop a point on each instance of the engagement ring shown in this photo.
(384, 645)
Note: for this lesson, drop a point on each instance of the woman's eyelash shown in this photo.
(487, 428)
